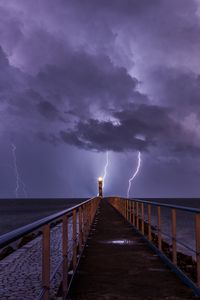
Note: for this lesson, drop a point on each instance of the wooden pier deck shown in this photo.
(117, 264)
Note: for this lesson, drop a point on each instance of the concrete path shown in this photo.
(117, 264)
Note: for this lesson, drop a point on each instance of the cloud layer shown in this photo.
(102, 76)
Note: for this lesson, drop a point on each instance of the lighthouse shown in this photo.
(100, 186)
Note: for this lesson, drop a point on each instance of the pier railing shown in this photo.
(139, 214)
(80, 217)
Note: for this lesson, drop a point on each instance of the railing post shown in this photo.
(159, 230)
(174, 252)
(137, 215)
(125, 209)
(46, 260)
(90, 213)
(129, 210)
(74, 240)
(142, 217)
(197, 228)
(133, 213)
(88, 217)
(80, 228)
(118, 204)
(65, 253)
(127, 214)
(149, 222)
(85, 223)
(93, 210)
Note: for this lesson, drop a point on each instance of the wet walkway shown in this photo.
(117, 264)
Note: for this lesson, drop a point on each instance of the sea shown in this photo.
(185, 227)
(15, 213)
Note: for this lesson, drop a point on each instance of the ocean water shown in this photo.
(186, 235)
(191, 202)
(15, 213)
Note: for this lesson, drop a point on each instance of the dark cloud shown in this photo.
(178, 87)
(85, 79)
(48, 110)
(83, 84)
(141, 127)
(115, 9)
(101, 75)
(3, 59)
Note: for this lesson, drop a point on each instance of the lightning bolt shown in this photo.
(135, 174)
(23, 187)
(17, 176)
(105, 168)
(15, 169)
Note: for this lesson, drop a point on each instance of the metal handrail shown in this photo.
(179, 207)
(16, 234)
(171, 206)
(82, 216)
(133, 210)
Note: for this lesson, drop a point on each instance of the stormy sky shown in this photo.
(80, 78)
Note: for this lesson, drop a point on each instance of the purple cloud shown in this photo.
(96, 76)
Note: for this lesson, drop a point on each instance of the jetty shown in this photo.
(103, 248)
(118, 264)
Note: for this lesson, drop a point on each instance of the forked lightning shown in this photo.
(135, 174)
(17, 176)
(105, 168)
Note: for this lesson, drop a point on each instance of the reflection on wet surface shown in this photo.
(157, 270)
(121, 242)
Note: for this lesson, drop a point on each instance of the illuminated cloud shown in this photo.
(94, 77)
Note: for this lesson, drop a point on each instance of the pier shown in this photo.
(102, 248)
(118, 264)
